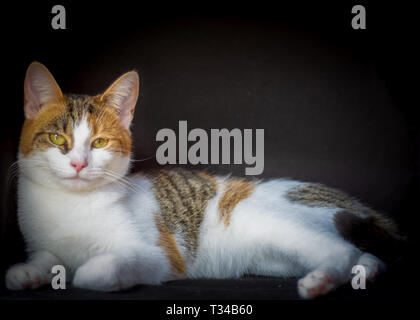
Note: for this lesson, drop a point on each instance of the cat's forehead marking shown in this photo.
(75, 108)
(79, 107)
(81, 134)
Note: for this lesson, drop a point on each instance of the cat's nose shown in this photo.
(78, 165)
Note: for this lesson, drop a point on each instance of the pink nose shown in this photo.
(79, 165)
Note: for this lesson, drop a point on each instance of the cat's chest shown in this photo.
(73, 226)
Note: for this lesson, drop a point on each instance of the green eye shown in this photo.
(57, 139)
(100, 143)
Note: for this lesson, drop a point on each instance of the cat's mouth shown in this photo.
(76, 178)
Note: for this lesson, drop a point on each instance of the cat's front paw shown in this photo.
(100, 273)
(24, 276)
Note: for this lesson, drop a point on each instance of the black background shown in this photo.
(336, 103)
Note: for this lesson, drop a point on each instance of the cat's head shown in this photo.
(76, 142)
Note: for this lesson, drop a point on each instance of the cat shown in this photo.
(78, 207)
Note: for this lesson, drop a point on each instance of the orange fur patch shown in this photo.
(212, 179)
(106, 124)
(35, 129)
(168, 244)
(235, 191)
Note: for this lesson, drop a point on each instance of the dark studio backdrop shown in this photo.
(335, 103)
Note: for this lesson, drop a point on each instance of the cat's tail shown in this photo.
(374, 233)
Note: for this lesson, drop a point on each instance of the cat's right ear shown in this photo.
(40, 88)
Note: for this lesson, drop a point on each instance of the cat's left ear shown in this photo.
(40, 88)
(122, 95)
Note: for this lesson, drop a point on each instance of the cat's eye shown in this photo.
(57, 139)
(100, 143)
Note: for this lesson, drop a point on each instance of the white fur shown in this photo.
(105, 234)
(268, 235)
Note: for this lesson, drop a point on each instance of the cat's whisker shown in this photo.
(13, 170)
(115, 178)
(122, 179)
(120, 182)
(140, 160)
(128, 180)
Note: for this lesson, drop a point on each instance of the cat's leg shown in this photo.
(322, 260)
(35, 272)
(295, 244)
(337, 270)
(373, 265)
(333, 271)
(322, 265)
(123, 269)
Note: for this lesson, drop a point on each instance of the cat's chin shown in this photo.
(76, 184)
(81, 184)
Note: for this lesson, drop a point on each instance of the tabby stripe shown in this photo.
(183, 197)
(184, 190)
(168, 244)
(319, 195)
(235, 191)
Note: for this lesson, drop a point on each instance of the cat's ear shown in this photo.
(122, 95)
(40, 88)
